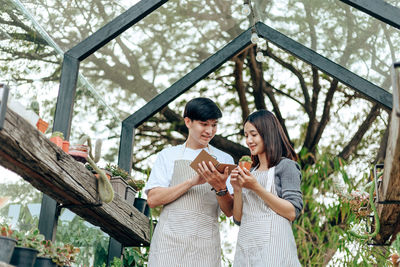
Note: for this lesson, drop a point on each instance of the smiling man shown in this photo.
(187, 233)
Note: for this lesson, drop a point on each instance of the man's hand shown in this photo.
(212, 176)
(198, 179)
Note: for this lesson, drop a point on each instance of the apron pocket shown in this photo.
(190, 223)
(254, 233)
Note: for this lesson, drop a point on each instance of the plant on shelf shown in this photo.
(30, 239)
(5, 230)
(28, 245)
(119, 180)
(65, 255)
(41, 125)
(138, 185)
(117, 171)
(7, 243)
(46, 254)
(57, 138)
(105, 189)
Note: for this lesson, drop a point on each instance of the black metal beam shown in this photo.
(126, 147)
(114, 251)
(190, 79)
(66, 96)
(48, 217)
(378, 9)
(114, 28)
(370, 90)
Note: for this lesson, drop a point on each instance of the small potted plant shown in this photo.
(7, 243)
(26, 251)
(41, 125)
(57, 138)
(245, 162)
(118, 179)
(46, 255)
(65, 255)
(141, 203)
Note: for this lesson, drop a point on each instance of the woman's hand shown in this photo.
(235, 180)
(246, 179)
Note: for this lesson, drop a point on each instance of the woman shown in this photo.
(267, 199)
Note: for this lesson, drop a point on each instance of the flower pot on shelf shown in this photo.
(24, 257)
(44, 262)
(57, 140)
(7, 246)
(41, 125)
(79, 152)
(119, 185)
(130, 194)
(141, 205)
(65, 146)
(107, 173)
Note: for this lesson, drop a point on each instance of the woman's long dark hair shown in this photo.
(276, 143)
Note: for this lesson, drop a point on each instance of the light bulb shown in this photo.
(246, 10)
(260, 56)
(254, 38)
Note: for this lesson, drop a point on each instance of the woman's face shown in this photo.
(253, 139)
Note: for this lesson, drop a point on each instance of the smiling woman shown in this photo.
(267, 199)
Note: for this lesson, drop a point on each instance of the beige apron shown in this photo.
(265, 238)
(187, 233)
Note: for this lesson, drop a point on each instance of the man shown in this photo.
(187, 233)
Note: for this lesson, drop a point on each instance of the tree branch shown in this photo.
(356, 139)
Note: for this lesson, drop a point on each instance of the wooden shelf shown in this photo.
(27, 152)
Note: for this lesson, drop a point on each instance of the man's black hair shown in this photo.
(202, 109)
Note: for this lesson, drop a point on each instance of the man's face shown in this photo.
(201, 132)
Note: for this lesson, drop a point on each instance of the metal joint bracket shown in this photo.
(3, 104)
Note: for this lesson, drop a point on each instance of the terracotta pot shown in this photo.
(79, 152)
(41, 125)
(65, 146)
(107, 173)
(57, 140)
(245, 164)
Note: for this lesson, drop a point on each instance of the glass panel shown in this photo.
(70, 22)
(91, 241)
(163, 47)
(19, 201)
(339, 32)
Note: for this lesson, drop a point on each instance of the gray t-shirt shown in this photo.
(287, 183)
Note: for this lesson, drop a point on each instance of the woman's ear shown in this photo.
(188, 122)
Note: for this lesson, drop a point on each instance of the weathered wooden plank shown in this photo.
(27, 152)
(389, 214)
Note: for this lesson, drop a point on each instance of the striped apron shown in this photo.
(265, 238)
(187, 233)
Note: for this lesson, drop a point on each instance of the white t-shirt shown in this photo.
(161, 174)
